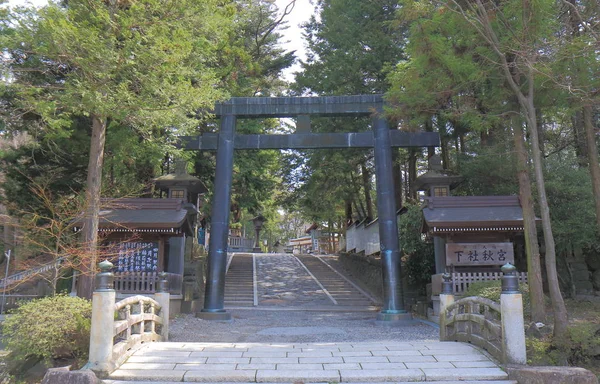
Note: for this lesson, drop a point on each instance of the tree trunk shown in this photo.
(558, 304)
(90, 227)
(412, 173)
(349, 218)
(592, 152)
(532, 249)
(366, 179)
(526, 102)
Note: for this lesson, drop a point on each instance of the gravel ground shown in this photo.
(264, 326)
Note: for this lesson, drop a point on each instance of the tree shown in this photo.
(350, 46)
(143, 64)
(515, 55)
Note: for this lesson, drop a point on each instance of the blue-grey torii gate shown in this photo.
(381, 139)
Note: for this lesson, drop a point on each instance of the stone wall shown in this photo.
(367, 270)
(579, 272)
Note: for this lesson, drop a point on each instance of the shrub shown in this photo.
(492, 290)
(48, 329)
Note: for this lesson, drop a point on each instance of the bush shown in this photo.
(48, 329)
(492, 290)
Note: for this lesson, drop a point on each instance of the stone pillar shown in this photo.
(163, 298)
(102, 327)
(214, 295)
(446, 299)
(513, 327)
(393, 297)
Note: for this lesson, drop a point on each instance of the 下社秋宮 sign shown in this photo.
(479, 254)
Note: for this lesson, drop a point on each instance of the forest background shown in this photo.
(95, 94)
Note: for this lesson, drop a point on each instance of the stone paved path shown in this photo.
(310, 362)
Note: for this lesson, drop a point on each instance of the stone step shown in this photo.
(253, 382)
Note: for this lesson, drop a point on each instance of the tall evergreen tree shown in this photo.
(143, 64)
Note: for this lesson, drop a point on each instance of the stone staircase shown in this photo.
(345, 293)
(239, 281)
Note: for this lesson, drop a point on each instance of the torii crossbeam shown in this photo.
(381, 139)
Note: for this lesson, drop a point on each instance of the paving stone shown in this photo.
(443, 364)
(310, 354)
(168, 353)
(342, 366)
(282, 376)
(366, 359)
(461, 357)
(268, 354)
(322, 349)
(433, 374)
(216, 354)
(391, 375)
(228, 349)
(411, 359)
(397, 353)
(239, 376)
(404, 347)
(323, 360)
(314, 366)
(437, 352)
(206, 367)
(224, 360)
(474, 364)
(354, 353)
(277, 360)
(256, 366)
(166, 359)
(163, 346)
(147, 374)
(270, 349)
(147, 366)
(383, 366)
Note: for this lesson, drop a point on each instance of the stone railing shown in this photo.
(146, 282)
(497, 328)
(20, 276)
(118, 329)
(241, 244)
(13, 301)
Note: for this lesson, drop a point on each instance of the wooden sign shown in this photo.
(138, 257)
(479, 253)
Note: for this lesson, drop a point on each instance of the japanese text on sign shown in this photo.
(138, 257)
(479, 253)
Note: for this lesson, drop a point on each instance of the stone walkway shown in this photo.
(310, 362)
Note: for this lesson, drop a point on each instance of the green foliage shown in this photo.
(582, 348)
(50, 328)
(492, 290)
(571, 200)
(418, 255)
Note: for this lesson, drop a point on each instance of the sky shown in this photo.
(292, 36)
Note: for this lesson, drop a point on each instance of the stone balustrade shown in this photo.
(118, 329)
(498, 328)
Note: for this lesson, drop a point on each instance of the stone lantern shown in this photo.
(258, 222)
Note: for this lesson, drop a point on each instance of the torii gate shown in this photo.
(381, 139)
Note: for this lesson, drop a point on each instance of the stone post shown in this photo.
(163, 298)
(513, 327)
(446, 299)
(102, 327)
